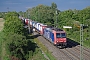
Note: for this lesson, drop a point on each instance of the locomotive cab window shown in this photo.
(63, 35)
(60, 35)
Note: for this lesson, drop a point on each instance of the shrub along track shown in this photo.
(70, 53)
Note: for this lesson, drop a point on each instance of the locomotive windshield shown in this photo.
(60, 35)
(63, 35)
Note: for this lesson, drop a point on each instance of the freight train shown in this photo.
(54, 35)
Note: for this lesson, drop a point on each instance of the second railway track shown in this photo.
(86, 52)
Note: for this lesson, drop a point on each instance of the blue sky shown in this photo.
(23, 5)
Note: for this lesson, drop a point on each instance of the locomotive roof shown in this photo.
(56, 29)
(60, 31)
(53, 28)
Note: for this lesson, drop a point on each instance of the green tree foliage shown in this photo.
(14, 33)
(15, 44)
(40, 13)
(13, 23)
(19, 47)
(53, 6)
(21, 13)
(74, 18)
(28, 13)
(2, 14)
(65, 18)
(10, 14)
(84, 15)
(43, 13)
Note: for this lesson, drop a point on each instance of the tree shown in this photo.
(15, 44)
(28, 13)
(2, 14)
(15, 35)
(44, 14)
(13, 24)
(20, 13)
(53, 6)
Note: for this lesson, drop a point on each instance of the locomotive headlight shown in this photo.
(65, 41)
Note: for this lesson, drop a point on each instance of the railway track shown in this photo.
(86, 52)
(60, 54)
(71, 53)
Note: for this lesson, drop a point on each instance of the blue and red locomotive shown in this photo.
(56, 36)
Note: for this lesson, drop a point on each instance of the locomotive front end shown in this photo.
(61, 39)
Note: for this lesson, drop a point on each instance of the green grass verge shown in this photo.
(44, 49)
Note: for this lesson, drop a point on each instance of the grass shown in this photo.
(87, 44)
(45, 50)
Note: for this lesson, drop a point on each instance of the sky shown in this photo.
(23, 5)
